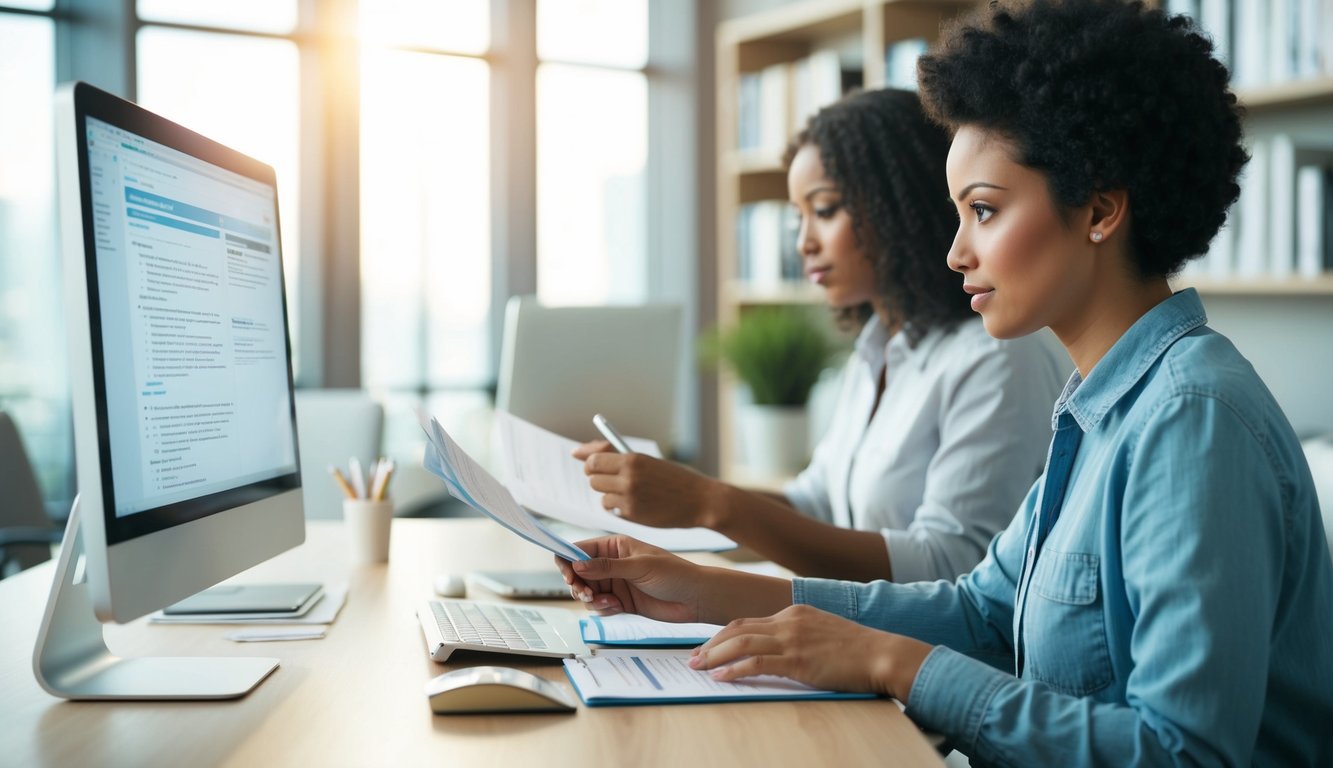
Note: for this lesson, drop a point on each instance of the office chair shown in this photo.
(561, 365)
(26, 533)
(333, 425)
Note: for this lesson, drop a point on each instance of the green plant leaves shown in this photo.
(778, 352)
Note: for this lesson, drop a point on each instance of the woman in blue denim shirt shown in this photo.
(1165, 594)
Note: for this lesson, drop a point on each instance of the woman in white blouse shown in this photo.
(939, 429)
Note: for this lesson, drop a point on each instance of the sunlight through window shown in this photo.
(243, 92)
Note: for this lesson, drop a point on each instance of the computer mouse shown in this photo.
(450, 585)
(495, 689)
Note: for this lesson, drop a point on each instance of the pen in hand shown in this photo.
(609, 432)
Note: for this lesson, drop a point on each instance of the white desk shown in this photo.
(355, 697)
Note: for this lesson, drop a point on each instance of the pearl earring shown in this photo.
(1096, 237)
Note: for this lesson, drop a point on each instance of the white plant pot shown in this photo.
(774, 439)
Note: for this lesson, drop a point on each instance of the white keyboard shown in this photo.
(450, 625)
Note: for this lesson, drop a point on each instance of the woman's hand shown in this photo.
(816, 648)
(648, 490)
(629, 576)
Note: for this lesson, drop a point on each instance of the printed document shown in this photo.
(471, 483)
(632, 629)
(542, 475)
(623, 676)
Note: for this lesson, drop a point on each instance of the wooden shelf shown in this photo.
(1258, 286)
(758, 174)
(1297, 93)
(861, 31)
(742, 294)
(797, 22)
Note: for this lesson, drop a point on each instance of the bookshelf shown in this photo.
(822, 48)
(1296, 102)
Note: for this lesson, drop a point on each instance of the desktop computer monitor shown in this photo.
(180, 367)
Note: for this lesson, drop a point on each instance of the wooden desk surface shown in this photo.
(355, 697)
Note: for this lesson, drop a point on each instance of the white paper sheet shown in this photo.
(469, 482)
(632, 629)
(543, 476)
(637, 676)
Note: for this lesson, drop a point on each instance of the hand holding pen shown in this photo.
(644, 489)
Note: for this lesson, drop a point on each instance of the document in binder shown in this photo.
(619, 677)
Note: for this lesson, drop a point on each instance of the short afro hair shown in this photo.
(1101, 95)
(887, 159)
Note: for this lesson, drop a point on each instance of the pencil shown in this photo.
(382, 484)
(342, 482)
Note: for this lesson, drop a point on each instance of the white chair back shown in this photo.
(561, 365)
(333, 425)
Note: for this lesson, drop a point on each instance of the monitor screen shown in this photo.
(190, 321)
(179, 355)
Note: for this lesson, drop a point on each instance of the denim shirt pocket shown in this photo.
(1064, 625)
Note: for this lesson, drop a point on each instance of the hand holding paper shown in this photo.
(538, 469)
(472, 484)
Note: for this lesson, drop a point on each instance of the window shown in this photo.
(426, 260)
(33, 380)
(242, 91)
(418, 78)
(592, 148)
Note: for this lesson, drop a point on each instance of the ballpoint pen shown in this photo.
(611, 434)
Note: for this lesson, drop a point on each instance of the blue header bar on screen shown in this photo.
(167, 205)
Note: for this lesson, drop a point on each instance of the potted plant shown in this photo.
(778, 353)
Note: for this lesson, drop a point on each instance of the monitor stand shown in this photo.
(72, 661)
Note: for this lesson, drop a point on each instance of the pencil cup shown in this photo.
(368, 524)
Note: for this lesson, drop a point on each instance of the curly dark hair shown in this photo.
(887, 159)
(1101, 95)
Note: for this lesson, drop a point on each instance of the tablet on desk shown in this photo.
(248, 598)
(537, 585)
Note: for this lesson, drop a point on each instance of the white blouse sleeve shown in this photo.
(994, 427)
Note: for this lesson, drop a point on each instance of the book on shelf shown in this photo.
(766, 248)
(816, 82)
(1312, 247)
(1282, 212)
(775, 102)
(1282, 225)
(1215, 19)
(900, 62)
(1269, 42)
(1252, 214)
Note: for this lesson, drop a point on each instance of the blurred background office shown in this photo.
(434, 158)
(437, 157)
